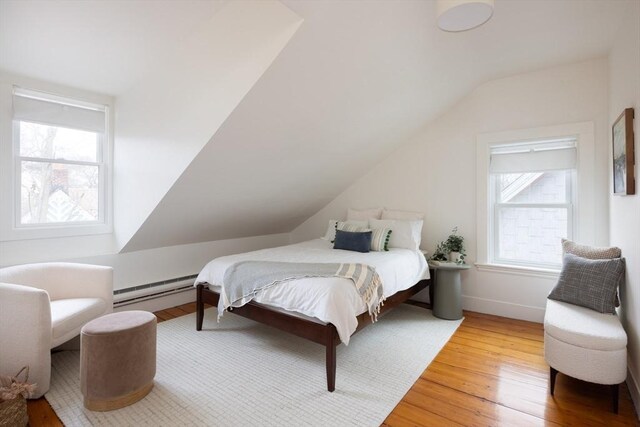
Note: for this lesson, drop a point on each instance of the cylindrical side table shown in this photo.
(447, 302)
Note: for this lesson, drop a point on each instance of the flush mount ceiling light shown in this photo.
(463, 15)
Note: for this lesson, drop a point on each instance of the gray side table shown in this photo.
(447, 303)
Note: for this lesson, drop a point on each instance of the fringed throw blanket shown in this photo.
(243, 280)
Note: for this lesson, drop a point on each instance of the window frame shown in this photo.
(14, 229)
(583, 198)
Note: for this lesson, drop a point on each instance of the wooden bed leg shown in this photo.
(199, 307)
(331, 358)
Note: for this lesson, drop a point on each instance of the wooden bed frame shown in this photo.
(325, 334)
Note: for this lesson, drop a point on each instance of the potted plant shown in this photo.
(455, 244)
(451, 249)
(441, 253)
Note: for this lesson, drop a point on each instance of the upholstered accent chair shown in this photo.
(583, 336)
(43, 306)
(585, 344)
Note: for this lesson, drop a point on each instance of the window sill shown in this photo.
(54, 232)
(519, 270)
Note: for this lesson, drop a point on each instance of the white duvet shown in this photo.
(328, 299)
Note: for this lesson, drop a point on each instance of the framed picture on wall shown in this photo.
(623, 155)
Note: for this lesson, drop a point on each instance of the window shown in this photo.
(60, 152)
(546, 176)
(532, 201)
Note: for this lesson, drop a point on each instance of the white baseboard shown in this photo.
(161, 303)
(504, 309)
(634, 388)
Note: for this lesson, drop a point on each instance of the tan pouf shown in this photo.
(117, 359)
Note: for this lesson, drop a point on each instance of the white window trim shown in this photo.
(584, 200)
(543, 273)
(10, 230)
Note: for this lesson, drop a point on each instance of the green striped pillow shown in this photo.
(380, 239)
(345, 226)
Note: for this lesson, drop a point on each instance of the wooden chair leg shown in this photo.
(552, 378)
(615, 390)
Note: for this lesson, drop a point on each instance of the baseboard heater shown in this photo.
(134, 294)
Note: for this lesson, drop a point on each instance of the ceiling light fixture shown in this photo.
(463, 15)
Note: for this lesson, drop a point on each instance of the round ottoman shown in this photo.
(117, 359)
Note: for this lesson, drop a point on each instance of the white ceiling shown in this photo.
(356, 81)
(98, 45)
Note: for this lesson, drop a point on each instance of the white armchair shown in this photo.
(43, 306)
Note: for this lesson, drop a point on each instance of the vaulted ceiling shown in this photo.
(355, 81)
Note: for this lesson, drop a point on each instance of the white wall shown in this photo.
(154, 265)
(435, 173)
(624, 87)
(139, 267)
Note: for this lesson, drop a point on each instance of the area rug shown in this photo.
(241, 373)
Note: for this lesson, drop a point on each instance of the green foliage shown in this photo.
(441, 253)
(454, 243)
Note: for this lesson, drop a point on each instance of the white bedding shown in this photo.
(329, 299)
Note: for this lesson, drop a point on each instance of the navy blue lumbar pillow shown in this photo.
(353, 241)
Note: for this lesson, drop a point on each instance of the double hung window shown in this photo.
(60, 161)
(531, 190)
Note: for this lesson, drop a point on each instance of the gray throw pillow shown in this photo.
(589, 283)
(592, 252)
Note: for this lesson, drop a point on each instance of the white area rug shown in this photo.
(241, 373)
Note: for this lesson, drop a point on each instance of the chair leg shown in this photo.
(615, 390)
(552, 378)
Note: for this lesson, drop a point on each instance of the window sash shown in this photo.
(99, 144)
(569, 184)
(61, 161)
(526, 263)
(18, 194)
(18, 159)
(497, 206)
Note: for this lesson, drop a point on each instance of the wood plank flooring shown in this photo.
(491, 373)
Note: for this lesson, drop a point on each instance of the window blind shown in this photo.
(539, 156)
(38, 109)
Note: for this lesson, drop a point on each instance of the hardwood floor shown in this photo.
(491, 373)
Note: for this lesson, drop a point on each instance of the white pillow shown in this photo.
(403, 215)
(404, 234)
(363, 214)
(330, 235)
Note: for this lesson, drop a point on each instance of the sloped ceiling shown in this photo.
(356, 80)
(166, 119)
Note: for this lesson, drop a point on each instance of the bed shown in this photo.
(325, 310)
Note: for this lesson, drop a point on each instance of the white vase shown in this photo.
(454, 256)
